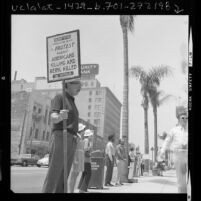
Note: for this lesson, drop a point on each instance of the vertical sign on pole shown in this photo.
(63, 64)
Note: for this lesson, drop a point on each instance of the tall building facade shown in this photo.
(100, 107)
(30, 122)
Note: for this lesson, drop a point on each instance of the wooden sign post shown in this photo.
(63, 64)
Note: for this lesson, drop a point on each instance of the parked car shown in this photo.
(43, 161)
(25, 160)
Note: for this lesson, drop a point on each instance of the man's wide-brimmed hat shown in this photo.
(81, 127)
(88, 133)
(181, 110)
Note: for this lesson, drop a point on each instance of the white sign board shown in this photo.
(63, 56)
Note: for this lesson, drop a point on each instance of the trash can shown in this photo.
(155, 172)
(97, 170)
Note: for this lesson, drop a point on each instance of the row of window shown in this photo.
(96, 114)
(98, 100)
(96, 107)
(96, 122)
(98, 92)
(39, 110)
(86, 84)
(36, 134)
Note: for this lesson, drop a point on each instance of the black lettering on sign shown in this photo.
(55, 70)
(59, 63)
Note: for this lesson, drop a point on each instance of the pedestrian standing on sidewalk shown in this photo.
(131, 165)
(109, 159)
(120, 158)
(142, 167)
(139, 164)
(86, 175)
(78, 163)
(178, 139)
(54, 181)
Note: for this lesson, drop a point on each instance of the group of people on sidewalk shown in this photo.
(80, 143)
(117, 156)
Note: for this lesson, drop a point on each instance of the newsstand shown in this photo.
(97, 170)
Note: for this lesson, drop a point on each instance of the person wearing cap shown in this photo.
(54, 181)
(178, 139)
(86, 175)
(78, 163)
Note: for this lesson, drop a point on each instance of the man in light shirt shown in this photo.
(121, 157)
(178, 139)
(110, 159)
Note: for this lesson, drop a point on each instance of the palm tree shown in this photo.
(157, 98)
(148, 81)
(127, 24)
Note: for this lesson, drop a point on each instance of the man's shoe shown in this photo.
(111, 184)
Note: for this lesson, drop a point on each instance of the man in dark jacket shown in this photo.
(54, 181)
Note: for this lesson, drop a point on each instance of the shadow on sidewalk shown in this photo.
(162, 181)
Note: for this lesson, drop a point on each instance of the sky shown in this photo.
(156, 40)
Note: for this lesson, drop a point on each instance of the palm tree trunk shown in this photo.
(146, 134)
(155, 134)
(125, 91)
(146, 138)
(125, 103)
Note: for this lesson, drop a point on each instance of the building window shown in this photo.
(89, 107)
(45, 119)
(88, 120)
(92, 83)
(30, 131)
(97, 114)
(90, 93)
(34, 108)
(90, 99)
(89, 114)
(21, 86)
(98, 92)
(98, 100)
(82, 84)
(97, 122)
(43, 135)
(47, 136)
(97, 107)
(36, 133)
(49, 118)
(39, 110)
(86, 84)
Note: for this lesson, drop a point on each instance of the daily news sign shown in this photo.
(63, 56)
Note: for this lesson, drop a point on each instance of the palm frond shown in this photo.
(127, 21)
(138, 72)
(164, 99)
(131, 23)
(159, 72)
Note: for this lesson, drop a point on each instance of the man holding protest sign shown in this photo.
(54, 181)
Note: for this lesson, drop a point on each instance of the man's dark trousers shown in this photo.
(54, 181)
(109, 171)
(86, 176)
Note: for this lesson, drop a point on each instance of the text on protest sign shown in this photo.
(63, 56)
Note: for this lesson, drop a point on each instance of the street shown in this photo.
(30, 180)
(27, 179)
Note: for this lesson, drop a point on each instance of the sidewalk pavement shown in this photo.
(146, 184)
